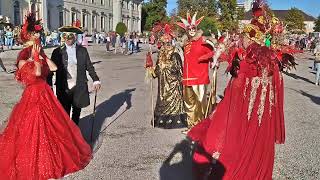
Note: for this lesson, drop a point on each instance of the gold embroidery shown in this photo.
(245, 89)
(187, 48)
(264, 82)
(255, 82)
(271, 96)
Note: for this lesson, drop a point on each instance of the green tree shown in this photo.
(317, 25)
(295, 21)
(229, 14)
(206, 8)
(121, 28)
(208, 25)
(154, 11)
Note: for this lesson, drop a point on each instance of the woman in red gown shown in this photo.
(40, 141)
(241, 133)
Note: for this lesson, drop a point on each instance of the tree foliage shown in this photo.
(229, 14)
(317, 25)
(152, 12)
(121, 28)
(208, 25)
(295, 20)
(206, 8)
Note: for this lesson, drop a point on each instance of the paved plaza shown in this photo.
(128, 148)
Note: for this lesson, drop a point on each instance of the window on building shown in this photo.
(33, 7)
(16, 11)
(102, 2)
(73, 17)
(61, 18)
(109, 2)
(127, 4)
(84, 20)
(133, 5)
(94, 22)
(49, 19)
(102, 23)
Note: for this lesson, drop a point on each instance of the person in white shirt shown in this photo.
(73, 62)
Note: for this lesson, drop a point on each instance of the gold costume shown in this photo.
(195, 101)
(169, 111)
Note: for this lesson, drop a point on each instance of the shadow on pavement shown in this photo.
(104, 110)
(314, 99)
(96, 62)
(2, 65)
(298, 77)
(186, 169)
(181, 170)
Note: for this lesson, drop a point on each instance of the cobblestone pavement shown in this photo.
(128, 148)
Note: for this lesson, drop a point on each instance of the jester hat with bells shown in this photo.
(190, 23)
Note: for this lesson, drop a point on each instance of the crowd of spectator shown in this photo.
(114, 42)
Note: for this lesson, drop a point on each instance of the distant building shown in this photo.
(281, 14)
(95, 15)
(248, 5)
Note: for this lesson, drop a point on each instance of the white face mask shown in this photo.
(192, 32)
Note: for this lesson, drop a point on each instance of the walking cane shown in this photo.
(152, 110)
(213, 91)
(94, 114)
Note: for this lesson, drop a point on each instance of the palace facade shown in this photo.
(95, 15)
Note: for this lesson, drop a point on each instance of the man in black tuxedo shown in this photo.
(73, 61)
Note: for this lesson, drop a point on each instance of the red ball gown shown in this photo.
(248, 122)
(40, 141)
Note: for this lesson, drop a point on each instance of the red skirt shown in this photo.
(242, 130)
(40, 140)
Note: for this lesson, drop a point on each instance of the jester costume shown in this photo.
(40, 141)
(195, 70)
(237, 141)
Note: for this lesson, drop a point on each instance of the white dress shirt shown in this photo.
(72, 65)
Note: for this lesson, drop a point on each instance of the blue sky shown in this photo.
(311, 7)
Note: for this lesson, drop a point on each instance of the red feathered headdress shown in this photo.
(29, 26)
(163, 32)
(190, 23)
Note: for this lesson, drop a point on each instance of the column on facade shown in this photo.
(82, 19)
(110, 22)
(44, 13)
(139, 19)
(117, 13)
(1, 5)
(65, 16)
(89, 22)
(106, 22)
(130, 24)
